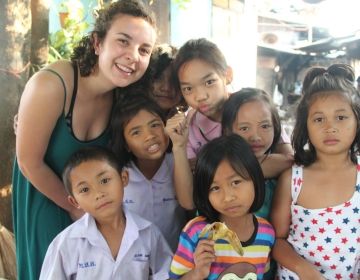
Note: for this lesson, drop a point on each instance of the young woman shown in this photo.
(64, 107)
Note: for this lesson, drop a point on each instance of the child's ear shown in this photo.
(229, 75)
(73, 201)
(124, 177)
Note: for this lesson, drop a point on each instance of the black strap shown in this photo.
(68, 116)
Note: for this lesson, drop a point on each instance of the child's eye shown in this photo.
(210, 82)
(318, 120)
(104, 181)
(236, 183)
(186, 90)
(156, 124)
(213, 188)
(83, 189)
(266, 126)
(243, 128)
(135, 133)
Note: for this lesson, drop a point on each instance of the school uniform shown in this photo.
(81, 252)
(155, 199)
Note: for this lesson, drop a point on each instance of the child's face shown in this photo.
(124, 53)
(163, 94)
(98, 188)
(203, 88)
(331, 124)
(254, 123)
(230, 194)
(145, 136)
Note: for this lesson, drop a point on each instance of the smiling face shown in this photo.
(331, 124)
(163, 94)
(254, 123)
(98, 189)
(230, 194)
(145, 136)
(124, 53)
(203, 88)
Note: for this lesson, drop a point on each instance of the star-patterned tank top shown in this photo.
(329, 238)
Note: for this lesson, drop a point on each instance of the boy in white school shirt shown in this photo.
(107, 242)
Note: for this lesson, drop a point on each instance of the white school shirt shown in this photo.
(155, 199)
(81, 252)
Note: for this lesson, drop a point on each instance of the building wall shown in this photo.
(231, 24)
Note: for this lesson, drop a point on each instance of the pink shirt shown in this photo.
(202, 130)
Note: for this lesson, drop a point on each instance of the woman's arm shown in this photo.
(40, 107)
(283, 252)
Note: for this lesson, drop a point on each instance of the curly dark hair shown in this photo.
(318, 82)
(84, 53)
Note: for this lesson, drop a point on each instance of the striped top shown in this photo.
(256, 249)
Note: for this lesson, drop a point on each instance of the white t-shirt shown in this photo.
(155, 199)
(81, 252)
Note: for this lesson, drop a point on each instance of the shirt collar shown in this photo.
(161, 175)
(86, 227)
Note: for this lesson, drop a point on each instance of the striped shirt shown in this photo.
(256, 249)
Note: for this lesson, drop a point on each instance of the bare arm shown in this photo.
(284, 148)
(283, 252)
(40, 106)
(274, 164)
(177, 129)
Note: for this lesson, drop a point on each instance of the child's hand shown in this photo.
(177, 129)
(204, 255)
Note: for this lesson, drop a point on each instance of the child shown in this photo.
(251, 114)
(139, 138)
(107, 242)
(201, 74)
(229, 187)
(162, 91)
(316, 204)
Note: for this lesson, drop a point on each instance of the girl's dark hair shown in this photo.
(202, 49)
(126, 109)
(85, 155)
(240, 156)
(84, 53)
(321, 82)
(161, 58)
(239, 98)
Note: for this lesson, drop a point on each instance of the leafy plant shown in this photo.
(63, 41)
